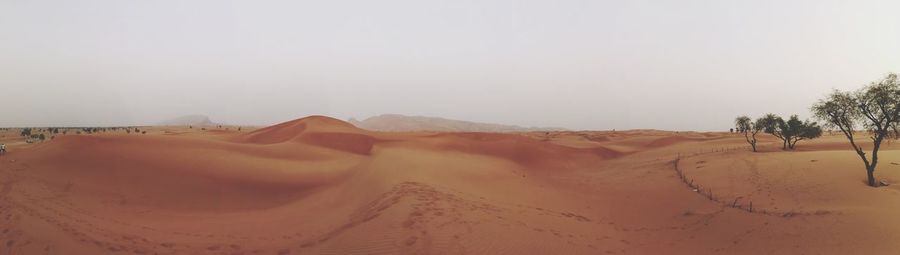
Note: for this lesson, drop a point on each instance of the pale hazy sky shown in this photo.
(677, 65)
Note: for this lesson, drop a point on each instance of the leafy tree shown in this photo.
(749, 128)
(26, 132)
(875, 108)
(773, 124)
(803, 131)
(791, 131)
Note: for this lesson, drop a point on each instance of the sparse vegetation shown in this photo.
(875, 108)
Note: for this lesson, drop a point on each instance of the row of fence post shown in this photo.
(708, 192)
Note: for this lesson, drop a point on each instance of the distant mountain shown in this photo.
(401, 123)
(189, 120)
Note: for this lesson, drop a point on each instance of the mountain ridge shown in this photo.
(192, 120)
(405, 123)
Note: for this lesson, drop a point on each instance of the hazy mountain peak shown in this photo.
(401, 123)
(193, 120)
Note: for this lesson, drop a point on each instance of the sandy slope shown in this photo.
(321, 186)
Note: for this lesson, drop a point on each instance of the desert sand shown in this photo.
(318, 185)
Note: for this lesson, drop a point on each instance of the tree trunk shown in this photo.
(754, 146)
(871, 169)
(871, 174)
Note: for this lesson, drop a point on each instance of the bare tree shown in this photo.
(749, 128)
(876, 108)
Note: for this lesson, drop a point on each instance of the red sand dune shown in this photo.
(318, 185)
(315, 130)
